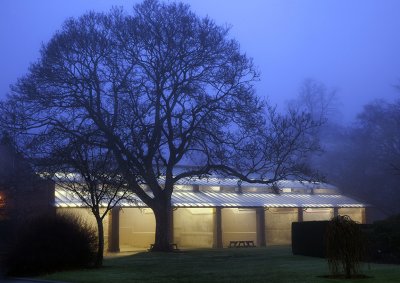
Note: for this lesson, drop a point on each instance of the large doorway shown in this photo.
(193, 227)
(238, 224)
(137, 228)
(278, 225)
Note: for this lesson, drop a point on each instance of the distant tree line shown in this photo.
(363, 158)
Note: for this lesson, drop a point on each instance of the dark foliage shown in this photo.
(384, 240)
(346, 246)
(52, 243)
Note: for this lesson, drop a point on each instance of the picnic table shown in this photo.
(241, 244)
(173, 246)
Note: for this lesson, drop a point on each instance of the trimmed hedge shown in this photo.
(309, 238)
(382, 238)
(52, 243)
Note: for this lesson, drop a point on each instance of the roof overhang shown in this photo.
(64, 198)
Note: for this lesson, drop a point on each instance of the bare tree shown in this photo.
(91, 173)
(317, 99)
(380, 122)
(160, 88)
(321, 102)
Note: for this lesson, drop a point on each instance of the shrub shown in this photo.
(52, 243)
(346, 246)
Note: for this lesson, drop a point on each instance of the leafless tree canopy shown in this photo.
(159, 87)
(91, 173)
(316, 99)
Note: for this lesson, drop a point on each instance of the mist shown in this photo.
(351, 46)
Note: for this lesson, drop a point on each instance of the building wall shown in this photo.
(137, 228)
(238, 225)
(316, 214)
(193, 227)
(278, 225)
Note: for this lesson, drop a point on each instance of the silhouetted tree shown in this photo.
(89, 172)
(345, 246)
(316, 99)
(322, 104)
(160, 88)
(380, 121)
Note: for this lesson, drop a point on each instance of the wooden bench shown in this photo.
(241, 244)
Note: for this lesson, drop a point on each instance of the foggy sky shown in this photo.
(351, 45)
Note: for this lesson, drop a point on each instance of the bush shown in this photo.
(346, 246)
(52, 243)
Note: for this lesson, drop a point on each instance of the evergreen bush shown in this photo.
(52, 243)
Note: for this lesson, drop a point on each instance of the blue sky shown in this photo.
(351, 45)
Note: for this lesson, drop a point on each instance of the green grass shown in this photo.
(274, 264)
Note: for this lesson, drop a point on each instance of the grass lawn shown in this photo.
(273, 264)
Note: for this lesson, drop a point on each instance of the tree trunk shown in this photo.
(100, 243)
(348, 267)
(162, 212)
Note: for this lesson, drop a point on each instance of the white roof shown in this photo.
(233, 182)
(65, 198)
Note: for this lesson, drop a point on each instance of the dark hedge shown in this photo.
(52, 243)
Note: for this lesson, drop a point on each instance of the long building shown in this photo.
(212, 212)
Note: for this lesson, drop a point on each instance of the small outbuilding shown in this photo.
(23, 194)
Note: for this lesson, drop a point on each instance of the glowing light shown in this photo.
(2, 200)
